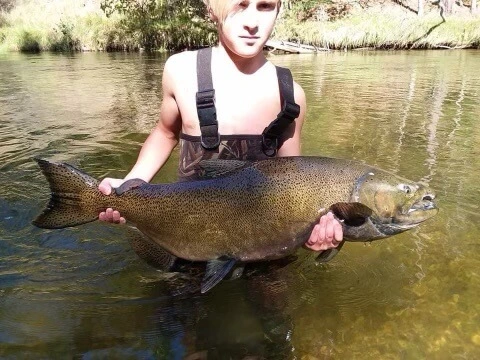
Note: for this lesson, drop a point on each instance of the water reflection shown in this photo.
(84, 293)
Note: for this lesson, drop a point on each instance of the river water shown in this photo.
(83, 292)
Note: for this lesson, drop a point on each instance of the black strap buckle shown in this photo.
(276, 128)
(205, 99)
(210, 142)
(207, 116)
(290, 111)
(285, 117)
(270, 145)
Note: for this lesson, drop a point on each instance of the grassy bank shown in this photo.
(386, 27)
(60, 26)
(72, 25)
(41, 25)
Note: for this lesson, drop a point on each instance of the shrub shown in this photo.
(29, 42)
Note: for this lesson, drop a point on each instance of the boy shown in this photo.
(227, 113)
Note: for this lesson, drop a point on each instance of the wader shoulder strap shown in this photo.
(290, 111)
(205, 98)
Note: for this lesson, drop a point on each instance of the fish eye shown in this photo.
(405, 188)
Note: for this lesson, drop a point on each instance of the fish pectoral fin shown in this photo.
(327, 255)
(129, 185)
(216, 270)
(352, 214)
(218, 168)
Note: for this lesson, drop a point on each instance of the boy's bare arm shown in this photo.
(291, 146)
(328, 232)
(164, 137)
(156, 148)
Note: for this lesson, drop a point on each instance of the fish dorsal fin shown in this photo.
(327, 255)
(129, 185)
(216, 270)
(352, 214)
(218, 168)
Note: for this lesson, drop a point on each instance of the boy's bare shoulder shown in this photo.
(181, 62)
(298, 91)
(180, 73)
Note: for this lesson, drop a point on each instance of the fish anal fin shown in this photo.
(352, 214)
(129, 185)
(217, 168)
(329, 254)
(216, 270)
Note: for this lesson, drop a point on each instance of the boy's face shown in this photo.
(248, 26)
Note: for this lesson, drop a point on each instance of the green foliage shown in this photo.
(182, 24)
(303, 10)
(168, 24)
(64, 39)
(29, 42)
(382, 29)
(3, 21)
(7, 5)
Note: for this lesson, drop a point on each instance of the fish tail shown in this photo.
(74, 197)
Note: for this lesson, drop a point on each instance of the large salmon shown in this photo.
(245, 211)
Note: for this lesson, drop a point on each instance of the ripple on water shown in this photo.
(358, 279)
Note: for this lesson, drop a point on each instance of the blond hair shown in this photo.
(219, 9)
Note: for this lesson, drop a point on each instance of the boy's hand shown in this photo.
(106, 185)
(110, 215)
(328, 233)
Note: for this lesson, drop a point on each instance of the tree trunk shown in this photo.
(287, 4)
(446, 6)
(420, 8)
(473, 7)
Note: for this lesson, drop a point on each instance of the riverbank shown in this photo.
(386, 27)
(82, 26)
(67, 25)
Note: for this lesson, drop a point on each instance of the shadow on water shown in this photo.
(84, 293)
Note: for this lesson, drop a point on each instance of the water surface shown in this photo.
(84, 293)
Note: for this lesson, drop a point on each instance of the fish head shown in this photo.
(393, 204)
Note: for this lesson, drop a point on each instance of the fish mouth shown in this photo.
(422, 205)
(420, 211)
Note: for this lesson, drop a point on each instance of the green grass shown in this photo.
(62, 26)
(69, 26)
(385, 29)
